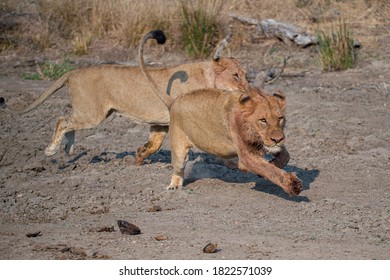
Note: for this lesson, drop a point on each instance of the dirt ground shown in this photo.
(338, 136)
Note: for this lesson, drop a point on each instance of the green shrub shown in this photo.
(32, 76)
(53, 71)
(336, 48)
(50, 71)
(200, 26)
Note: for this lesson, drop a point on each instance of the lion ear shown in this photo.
(244, 98)
(219, 66)
(281, 99)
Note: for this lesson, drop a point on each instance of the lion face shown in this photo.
(229, 74)
(262, 121)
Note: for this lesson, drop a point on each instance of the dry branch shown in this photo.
(284, 31)
(271, 77)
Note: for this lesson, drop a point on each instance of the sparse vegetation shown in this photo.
(81, 43)
(194, 26)
(53, 71)
(200, 26)
(32, 76)
(336, 50)
(116, 20)
(50, 70)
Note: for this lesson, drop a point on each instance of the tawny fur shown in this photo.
(245, 124)
(96, 92)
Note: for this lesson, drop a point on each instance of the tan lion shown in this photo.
(98, 91)
(244, 124)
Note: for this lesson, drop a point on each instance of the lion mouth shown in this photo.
(273, 149)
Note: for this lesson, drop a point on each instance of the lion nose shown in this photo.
(277, 138)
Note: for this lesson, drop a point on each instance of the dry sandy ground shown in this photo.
(338, 135)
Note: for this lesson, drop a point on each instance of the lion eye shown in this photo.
(281, 119)
(263, 120)
(236, 77)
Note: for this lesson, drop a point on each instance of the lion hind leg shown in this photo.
(180, 150)
(81, 119)
(156, 138)
(63, 125)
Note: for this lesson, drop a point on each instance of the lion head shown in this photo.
(261, 120)
(229, 74)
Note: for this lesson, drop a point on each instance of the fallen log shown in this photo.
(284, 31)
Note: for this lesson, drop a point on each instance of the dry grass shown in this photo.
(366, 19)
(121, 21)
(124, 22)
(81, 43)
(76, 25)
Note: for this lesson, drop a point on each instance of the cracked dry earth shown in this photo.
(338, 135)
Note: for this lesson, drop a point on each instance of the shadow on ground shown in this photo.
(202, 166)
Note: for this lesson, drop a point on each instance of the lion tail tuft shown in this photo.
(159, 36)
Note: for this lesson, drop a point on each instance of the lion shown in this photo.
(98, 91)
(246, 124)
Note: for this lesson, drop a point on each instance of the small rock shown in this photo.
(210, 248)
(128, 228)
(161, 237)
(34, 234)
(155, 208)
(38, 169)
(78, 252)
(99, 256)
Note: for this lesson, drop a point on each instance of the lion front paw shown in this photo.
(294, 185)
(173, 187)
(176, 183)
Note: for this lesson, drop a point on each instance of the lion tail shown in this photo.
(45, 95)
(159, 36)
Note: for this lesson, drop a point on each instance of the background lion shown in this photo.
(98, 91)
